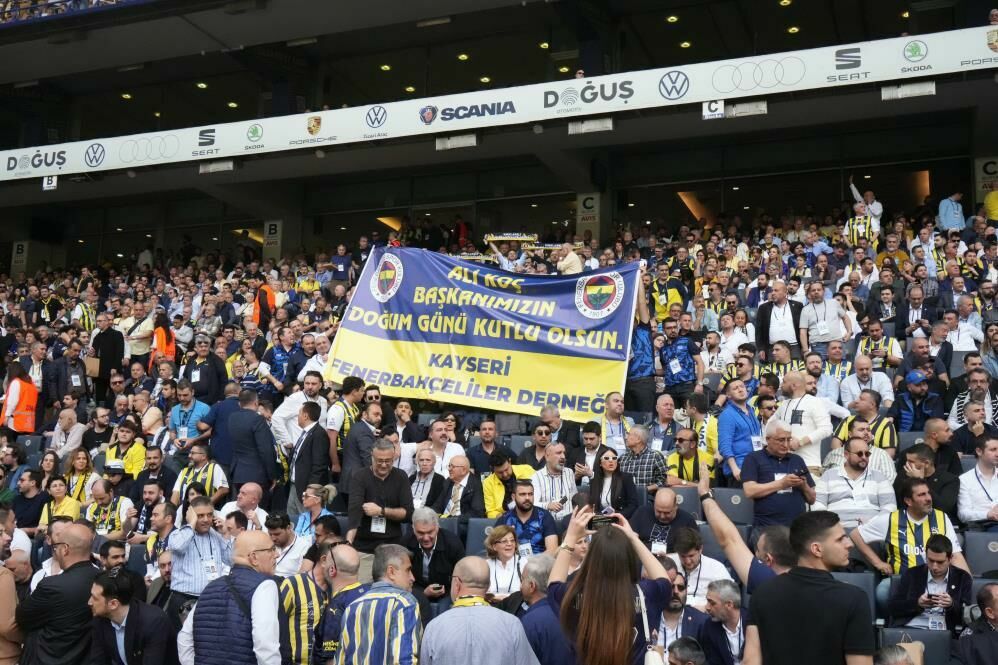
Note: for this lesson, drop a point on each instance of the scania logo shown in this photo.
(428, 114)
(94, 155)
(674, 85)
(376, 116)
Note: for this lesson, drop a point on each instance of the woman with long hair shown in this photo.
(80, 476)
(597, 608)
(610, 489)
(164, 344)
(49, 466)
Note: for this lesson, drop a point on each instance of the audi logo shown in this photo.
(149, 149)
(94, 155)
(376, 116)
(674, 85)
(763, 74)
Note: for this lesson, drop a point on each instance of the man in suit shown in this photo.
(55, 619)
(934, 594)
(584, 459)
(435, 552)
(913, 315)
(309, 458)
(42, 373)
(562, 431)
(359, 443)
(774, 321)
(253, 457)
(724, 601)
(149, 636)
(108, 346)
(462, 494)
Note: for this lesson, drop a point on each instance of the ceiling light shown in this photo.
(630, 205)
(735, 189)
(201, 84)
(130, 173)
(793, 30)
(410, 88)
(544, 45)
(533, 205)
(746, 208)
(426, 214)
(672, 19)
(866, 177)
(118, 229)
(320, 153)
(430, 22)
(485, 79)
(126, 95)
(685, 45)
(386, 68)
(563, 69)
(149, 235)
(214, 237)
(120, 255)
(232, 105)
(785, 3)
(648, 222)
(157, 114)
(905, 14)
(343, 228)
(462, 56)
(80, 241)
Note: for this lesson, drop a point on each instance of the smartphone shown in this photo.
(562, 500)
(600, 521)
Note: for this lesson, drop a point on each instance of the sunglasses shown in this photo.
(542, 432)
(609, 458)
(864, 453)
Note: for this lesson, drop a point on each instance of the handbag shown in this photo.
(93, 366)
(915, 649)
(652, 656)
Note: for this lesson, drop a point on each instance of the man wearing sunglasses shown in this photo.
(854, 491)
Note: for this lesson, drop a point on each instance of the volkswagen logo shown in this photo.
(764, 74)
(94, 156)
(674, 85)
(150, 149)
(376, 116)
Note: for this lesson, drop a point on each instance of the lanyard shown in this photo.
(699, 570)
(211, 548)
(740, 640)
(561, 487)
(287, 551)
(863, 478)
(495, 573)
(981, 483)
(783, 311)
(469, 601)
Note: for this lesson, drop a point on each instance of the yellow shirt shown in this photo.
(134, 459)
(687, 469)
(68, 507)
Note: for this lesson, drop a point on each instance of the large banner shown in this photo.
(426, 325)
(895, 60)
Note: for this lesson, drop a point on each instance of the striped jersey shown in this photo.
(382, 626)
(304, 603)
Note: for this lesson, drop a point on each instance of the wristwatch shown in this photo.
(567, 548)
(709, 494)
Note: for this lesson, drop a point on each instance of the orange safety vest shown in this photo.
(163, 348)
(264, 299)
(24, 411)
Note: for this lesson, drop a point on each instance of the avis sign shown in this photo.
(587, 213)
(272, 239)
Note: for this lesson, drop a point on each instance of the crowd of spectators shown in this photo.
(12, 11)
(807, 397)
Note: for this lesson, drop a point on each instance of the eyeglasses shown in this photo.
(679, 587)
(684, 439)
(272, 549)
(116, 383)
(542, 432)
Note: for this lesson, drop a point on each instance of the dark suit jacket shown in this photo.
(436, 487)
(312, 464)
(943, 485)
(623, 496)
(356, 452)
(109, 345)
(472, 499)
(570, 434)
(413, 433)
(56, 619)
(50, 390)
(714, 641)
(762, 323)
(578, 456)
(253, 458)
(903, 604)
(931, 314)
(149, 638)
(449, 550)
(63, 373)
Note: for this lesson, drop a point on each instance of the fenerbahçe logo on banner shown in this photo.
(387, 279)
(599, 296)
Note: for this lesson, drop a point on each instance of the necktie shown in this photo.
(455, 501)
(294, 453)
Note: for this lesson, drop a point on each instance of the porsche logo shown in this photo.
(314, 125)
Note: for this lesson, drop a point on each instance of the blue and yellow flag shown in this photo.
(425, 325)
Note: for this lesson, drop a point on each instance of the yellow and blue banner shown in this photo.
(426, 325)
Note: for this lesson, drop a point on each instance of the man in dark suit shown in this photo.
(913, 314)
(773, 314)
(56, 619)
(585, 458)
(724, 600)
(934, 594)
(149, 636)
(462, 495)
(309, 458)
(562, 431)
(108, 345)
(71, 372)
(253, 457)
(359, 443)
(435, 552)
(42, 373)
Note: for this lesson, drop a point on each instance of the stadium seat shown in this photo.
(137, 559)
(889, 329)
(883, 595)
(32, 444)
(937, 642)
(518, 442)
(639, 417)
(688, 498)
(712, 548)
(34, 459)
(713, 381)
(99, 463)
(449, 523)
(735, 505)
(980, 548)
(968, 463)
(474, 441)
(424, 419)
(344, 522)
(956, 364)
(826, 447)
(478, 529)
(865, 581)
(908, 439)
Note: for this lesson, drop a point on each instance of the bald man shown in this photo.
(220, 630)
(658, 524)
(342, 566)
(248, 503)
(495, 631)
(56, 619)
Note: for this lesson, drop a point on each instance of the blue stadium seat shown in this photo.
(137, 559)
(826, 447)
(31, 443)
(639, 417)
(908, 439)
(424, 419)
(980, 548)
(344, 522)
(34, 459)
(478, 528)
(449, 523)
(968, 463)
(937, 642)
(518, 442)
(956, 364)
(735, 505)
(474, 441)
(688, 498)
(866, 582)
(99, 463)
(712, 548)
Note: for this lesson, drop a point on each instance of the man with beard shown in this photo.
(679, 620)
(978, 390)
(854, 491)
(681, 363)
(918, 354)
(809, 420)
(916, 405)
(865, 378)
(300, 358)
(727, 624)
(152, 496)
(827, 387)
(535, 528)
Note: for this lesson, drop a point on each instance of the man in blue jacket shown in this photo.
(916, 405)
(540, 621)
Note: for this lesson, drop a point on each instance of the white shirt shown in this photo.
(451, 450)
(978, 494)
(781, 324)
(289, 559)
(504, 579)
(700, 577)
(407, 458)
(875, 530)
(965, 337)
(851, 387)
(266, 630)
(453, 506)
(284, 422)
(19, 541)
(731, 343)
(807, 417)
(558, 488)
(231, 507)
